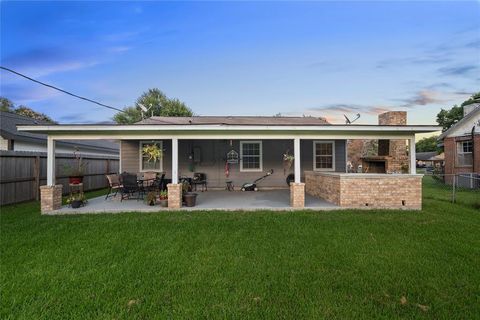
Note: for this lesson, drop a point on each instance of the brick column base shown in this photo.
(174, 195)
(297, 195)
(50, 198)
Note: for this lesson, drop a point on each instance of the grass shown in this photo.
(339, 264)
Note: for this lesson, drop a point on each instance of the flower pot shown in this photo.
(76, 204)
(75, 179)
(190, 199)
(164, 203)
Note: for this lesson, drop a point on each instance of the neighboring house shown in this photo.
(12, 139)
(204, 144)
(461, 144)
(430, 159)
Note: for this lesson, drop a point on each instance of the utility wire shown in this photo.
(61, 90)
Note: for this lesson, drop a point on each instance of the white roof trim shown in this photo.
(188, 128)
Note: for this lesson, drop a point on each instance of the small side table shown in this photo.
(230, 186)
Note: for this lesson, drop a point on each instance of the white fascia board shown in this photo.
(224, 128)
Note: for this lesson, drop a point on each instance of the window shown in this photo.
(464, 153)
(146, 165)
(324, 155)
(251, 156)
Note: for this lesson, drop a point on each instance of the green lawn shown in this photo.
(340, 264)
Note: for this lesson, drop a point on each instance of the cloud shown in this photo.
(426, 59)
(119, 49)
(40, 62)
(422, 98)
(27, 92)
(462, 70)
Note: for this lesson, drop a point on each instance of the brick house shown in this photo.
(461, 144)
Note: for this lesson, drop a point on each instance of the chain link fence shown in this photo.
(461, 188)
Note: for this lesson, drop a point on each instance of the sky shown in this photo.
(322, 59)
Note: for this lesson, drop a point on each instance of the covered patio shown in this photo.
(211, 200)
(203, 144)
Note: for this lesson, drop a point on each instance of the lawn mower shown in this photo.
(252, 186)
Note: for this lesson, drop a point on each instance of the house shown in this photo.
(240, 149)
(14, 140)
(430, 160)
(461, 144)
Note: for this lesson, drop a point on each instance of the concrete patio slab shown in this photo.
(276, 200)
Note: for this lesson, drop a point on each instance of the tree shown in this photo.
(157, 103)
(447, 118)
(28, 112)
(427, 144)
(475, 98)
(8, 106)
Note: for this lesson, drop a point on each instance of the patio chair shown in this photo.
(199, 179)
(130, 186)
(114, 184)
(159, 184)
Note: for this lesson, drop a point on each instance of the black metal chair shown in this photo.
(130, 186)
(199, 179)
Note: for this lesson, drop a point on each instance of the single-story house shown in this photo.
(430, 159)
(461, 144)
(240, 149)
(13, 140)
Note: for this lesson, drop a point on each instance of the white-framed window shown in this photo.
(464, 153)
(146, 165)
(324, 155)
(251, 156)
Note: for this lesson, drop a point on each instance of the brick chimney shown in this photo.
(396, 149)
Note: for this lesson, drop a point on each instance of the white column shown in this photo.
(296, 154)
(174, 161)
(413, 156)
(50, 161)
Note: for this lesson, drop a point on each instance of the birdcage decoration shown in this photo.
(232, 157)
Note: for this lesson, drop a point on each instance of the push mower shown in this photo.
(252, 186)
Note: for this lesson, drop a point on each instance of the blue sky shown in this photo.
(244, 58)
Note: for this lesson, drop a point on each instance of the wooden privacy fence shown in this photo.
(22, 173)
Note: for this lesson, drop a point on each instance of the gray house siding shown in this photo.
(212, 160)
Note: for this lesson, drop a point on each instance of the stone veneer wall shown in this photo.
(384, 191)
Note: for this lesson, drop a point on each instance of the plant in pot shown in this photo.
(164, 198)
(76, 200)
(151, 198)
(188, 197)
(76, 171)
(287, 161)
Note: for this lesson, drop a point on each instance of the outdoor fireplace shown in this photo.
(392, 154)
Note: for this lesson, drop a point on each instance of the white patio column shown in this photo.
(175, 161)
(50, 161)
(296, 154)
(413, 163)
(51, 194)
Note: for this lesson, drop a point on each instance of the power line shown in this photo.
(61, 90)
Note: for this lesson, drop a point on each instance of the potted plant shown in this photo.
(164, 198)
(188, 197)
(76, 200)
(151, 198)
(287, 161)
(77, 170)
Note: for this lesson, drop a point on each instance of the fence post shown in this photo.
(453, 188)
